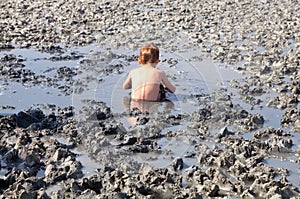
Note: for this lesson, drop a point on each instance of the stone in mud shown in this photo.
(189, 154)
(170, 134)
(243, 114)
(110, 128)
(139, 149)
(202, 114)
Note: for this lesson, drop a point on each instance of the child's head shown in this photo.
(149, 54)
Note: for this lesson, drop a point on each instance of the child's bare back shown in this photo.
(145, 81)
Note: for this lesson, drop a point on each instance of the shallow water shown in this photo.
(89, 165)
(291, 167)
(23, 97)
(171, 148)
(20, 97)
(189, 76)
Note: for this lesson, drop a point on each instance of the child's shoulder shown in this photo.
(160, 71)
(136, 71)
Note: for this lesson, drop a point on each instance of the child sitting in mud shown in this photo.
(147, 82)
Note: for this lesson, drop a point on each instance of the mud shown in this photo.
(69, 130)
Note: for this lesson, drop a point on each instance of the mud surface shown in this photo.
(68, 130)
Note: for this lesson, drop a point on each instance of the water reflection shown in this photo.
(147, 106)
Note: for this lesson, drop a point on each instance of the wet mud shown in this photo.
(69, 130)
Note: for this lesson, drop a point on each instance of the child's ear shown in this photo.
(139, 61)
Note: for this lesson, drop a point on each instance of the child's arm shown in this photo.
(127, 83)
(167, 83)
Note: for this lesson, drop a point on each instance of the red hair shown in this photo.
(149, 53)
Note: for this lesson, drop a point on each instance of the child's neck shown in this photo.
(153, 65)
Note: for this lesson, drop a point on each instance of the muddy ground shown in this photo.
(68, 130)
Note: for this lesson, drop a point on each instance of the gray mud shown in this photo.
(69, 130)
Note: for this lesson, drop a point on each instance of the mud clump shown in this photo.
(28, 139)
(291, 117)
(31, 157)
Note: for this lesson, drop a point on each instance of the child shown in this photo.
(146, 80)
